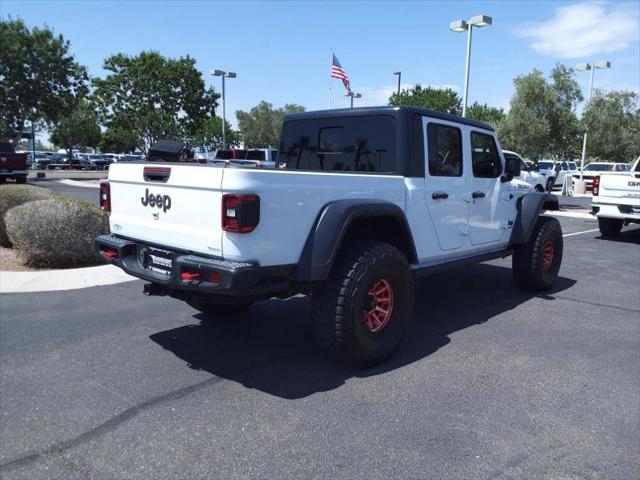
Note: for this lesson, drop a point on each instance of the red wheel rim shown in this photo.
(547, 255)
(381, 298)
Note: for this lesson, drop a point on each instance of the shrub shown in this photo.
(56, 233)
(13, 196)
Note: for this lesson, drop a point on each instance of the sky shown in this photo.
(281, 50)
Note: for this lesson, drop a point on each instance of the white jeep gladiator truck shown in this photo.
(369, 200)
(616, 199)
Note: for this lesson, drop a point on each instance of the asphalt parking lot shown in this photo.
(490, 383)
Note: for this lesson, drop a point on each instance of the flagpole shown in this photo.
(330, 79)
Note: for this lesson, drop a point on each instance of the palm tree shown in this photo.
(361, 148)
(302, 144)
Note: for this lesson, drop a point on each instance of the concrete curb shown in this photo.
(56, 280)
(76, 183)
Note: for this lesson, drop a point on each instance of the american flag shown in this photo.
(338, 72)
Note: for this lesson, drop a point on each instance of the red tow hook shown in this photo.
(110, 253)
(188, 276)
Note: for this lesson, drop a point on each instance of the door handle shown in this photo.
(477, 195)
(440, 195)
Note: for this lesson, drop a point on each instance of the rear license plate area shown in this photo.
(157, 260)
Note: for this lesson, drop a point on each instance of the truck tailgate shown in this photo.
(620, 186)
(174, 205)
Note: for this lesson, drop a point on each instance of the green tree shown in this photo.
(542, 121)
(564, 127)
(612, 120)
(159, 97)
(120, 138)
(440, 99)
(39, 79)
(525, 128)
(78, 129)
(209, 136)
(260, 127)
(483, 112)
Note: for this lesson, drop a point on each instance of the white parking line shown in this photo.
(578, 233)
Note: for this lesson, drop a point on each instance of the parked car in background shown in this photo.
(616, 198)
(598, 168)
(230, 154)
(252, 158)
(109, 157)
(263, 157)
(98, 161)
(130, 158)
(557, 170)
(41, 161)
(528, 172)
(12, 165)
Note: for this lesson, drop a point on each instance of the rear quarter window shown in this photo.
(344, 144)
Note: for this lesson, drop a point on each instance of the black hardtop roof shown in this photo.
(386, 110)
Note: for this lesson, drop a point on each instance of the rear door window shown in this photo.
(445, 150)
(342, 144)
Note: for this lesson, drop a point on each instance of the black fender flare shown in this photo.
(529, 207)
(330, 227)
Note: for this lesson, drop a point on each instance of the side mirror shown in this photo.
(512, 167)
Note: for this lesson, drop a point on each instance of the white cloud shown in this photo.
(584, 29)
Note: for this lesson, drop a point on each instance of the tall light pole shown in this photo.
(399, 74)
(467, 26)
(584, 67)
(353, 95)
(223, 74)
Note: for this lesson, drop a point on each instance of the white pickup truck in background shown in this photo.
(599, 168)
(616, 199)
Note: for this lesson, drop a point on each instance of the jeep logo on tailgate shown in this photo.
(159, 201)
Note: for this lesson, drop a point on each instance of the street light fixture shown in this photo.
(353, 95)
(223, 74)
(585, 67)
(478, 21)
(399, 74)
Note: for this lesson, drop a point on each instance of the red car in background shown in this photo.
(12, 165)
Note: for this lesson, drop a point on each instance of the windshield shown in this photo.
(600, 167)
(545, 165)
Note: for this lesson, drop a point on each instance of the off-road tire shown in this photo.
(533, 268)
(213, 309)
(550, 184)
(609, 227)
(338, 305)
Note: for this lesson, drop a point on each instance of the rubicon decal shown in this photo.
(156, 200)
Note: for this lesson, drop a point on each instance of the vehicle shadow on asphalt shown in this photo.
(271, 347)
(625, 236)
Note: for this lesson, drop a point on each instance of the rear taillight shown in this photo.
(105, 197)
(595, 186)
(240, 213)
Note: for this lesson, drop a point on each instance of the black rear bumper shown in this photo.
(232, 278)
